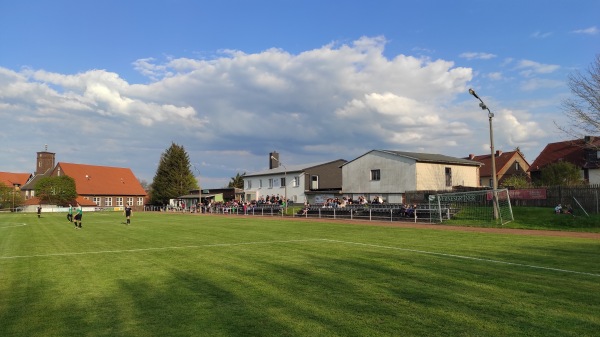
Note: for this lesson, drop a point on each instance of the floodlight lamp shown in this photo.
(472, 92)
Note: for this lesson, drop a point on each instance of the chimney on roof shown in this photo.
(498, 153)
(273, 160)
(471, 156)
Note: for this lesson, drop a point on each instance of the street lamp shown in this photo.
(199, 190)
(285, 179)
(494, 177)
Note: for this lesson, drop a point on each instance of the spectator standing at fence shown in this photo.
(39, 211)
(127, 211)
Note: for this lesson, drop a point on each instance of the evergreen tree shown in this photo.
(56, 190)
(173, 176)
(237, 181)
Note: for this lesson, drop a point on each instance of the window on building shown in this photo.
(97, 201)
(282, 182)
(517, 166)
(119, 201)
(296, 182)
(270, 183)
(249, 184)
(140, 201)
(108, 201)
(260, 183)
(314, 182)
(130, 201)
(376, 175)
(448, 176)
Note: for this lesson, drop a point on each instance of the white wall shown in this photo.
(294, 193)
(398, 174)
(594, 176)
(433, 176)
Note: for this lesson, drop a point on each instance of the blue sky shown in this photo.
(116, 82)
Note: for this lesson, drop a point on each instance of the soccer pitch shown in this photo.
(195, 275)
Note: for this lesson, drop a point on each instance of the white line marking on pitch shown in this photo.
(464, 257)
(18, 224)
(155, 249)
(293, 241)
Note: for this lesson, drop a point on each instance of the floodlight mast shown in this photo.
(199, 207)
(494, 173)
(286, 182)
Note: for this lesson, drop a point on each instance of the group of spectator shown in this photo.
(271, 200)
(342, 202)
(559, 209)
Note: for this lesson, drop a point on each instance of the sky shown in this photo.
(116, 82)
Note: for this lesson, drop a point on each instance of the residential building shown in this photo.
(12, 181)
(299, 183)
(99, 186)
(583, 153)
(389, 174)
(508, 164)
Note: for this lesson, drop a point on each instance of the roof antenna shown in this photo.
(46, 147)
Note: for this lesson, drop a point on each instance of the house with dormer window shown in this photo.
(583, 153)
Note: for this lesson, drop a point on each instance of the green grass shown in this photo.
(196, 275)
(537, 218)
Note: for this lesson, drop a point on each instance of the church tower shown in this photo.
(45, 161)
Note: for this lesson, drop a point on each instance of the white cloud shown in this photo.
(528, 68)
(322, 104)
(477, 56)
(541, 35)
(588, 31)
(496, 76)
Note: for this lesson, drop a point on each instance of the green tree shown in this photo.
(173, 176)
(56, 190)
(9, 197)
(237, 181)
(561, 173)
(517, 181)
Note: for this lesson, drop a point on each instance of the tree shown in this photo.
(237, 181)
(561, 173)
(583, 110)
(517, 181)
(9, 197)
(173, 176)
(56, 190)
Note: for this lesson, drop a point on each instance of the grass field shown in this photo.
(196, 275)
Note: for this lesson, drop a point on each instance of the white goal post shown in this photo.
(475, 206)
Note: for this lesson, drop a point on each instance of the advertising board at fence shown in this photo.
(528, 194)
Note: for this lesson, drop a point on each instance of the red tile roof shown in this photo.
(571, 151)
(80, 200)
(10, 179)
(502, 159)
(101, 180)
